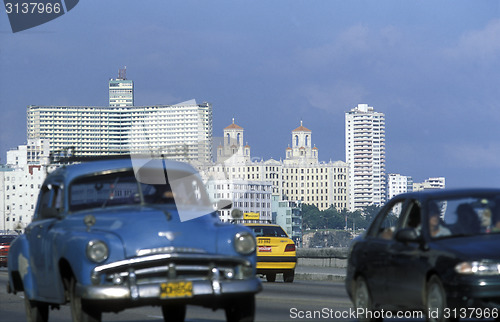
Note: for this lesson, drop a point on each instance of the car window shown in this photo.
(105, 190)
(464, 216)
(51, 201)
(412, 217)
(186, 191)
(116, 189)
(268, 231)
(385, 224)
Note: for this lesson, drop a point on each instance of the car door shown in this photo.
(376, 251)
(40, 237)
(407, 262)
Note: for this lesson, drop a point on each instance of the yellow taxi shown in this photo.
(275, 252)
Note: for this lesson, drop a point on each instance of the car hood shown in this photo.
(144, 229)
(473, 247)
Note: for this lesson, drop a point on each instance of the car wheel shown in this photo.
(363, 301)
(435, 300)
(288, 276)
(81, 311)
(36, 311)
(174, 313)
(271, 277)
(241, 309)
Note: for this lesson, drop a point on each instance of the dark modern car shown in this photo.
(435, 253)
(114, 234)
(5, 241)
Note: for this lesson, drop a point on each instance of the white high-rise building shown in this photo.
(398, 184)
(365, 154)
(121, 90)
(184, 128)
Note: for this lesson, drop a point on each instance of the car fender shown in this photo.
(225, 241)
(19, 268)
(73, 250)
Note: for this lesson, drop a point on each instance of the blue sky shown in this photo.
(431, 66)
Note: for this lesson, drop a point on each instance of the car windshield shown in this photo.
(122, 188)
(268, 231)
(464, 216)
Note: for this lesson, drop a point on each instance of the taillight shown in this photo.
(290, 248)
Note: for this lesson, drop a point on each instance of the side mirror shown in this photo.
(408, 235)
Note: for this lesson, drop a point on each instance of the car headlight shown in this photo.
(244, 243)
(97, 251)
(478, 268)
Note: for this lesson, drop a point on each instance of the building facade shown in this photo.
(304, 178)
(252, 198)
(431, 183)
(185, 128)
(365, 154)
(398, 184)
(20, 182)
(300, 177)
(288, 214)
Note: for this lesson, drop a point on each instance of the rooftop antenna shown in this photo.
(122, 73)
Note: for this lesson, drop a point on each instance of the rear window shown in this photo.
(7, 239)
(268, 231)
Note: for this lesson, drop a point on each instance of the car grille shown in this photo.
(160, 268)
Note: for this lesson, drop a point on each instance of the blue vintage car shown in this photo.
(114, 234)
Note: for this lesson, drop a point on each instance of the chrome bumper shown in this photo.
(141, 277)
(152, 291)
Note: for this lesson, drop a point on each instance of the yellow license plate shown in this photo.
(176, 290)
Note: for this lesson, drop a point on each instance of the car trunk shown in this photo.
(271, 246)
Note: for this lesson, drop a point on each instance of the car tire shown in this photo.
(241, 309)
(363, 300)
(289, 276)
(81, 311)
(173, 313)
(271, 277)
(435, 300)
(36, 311)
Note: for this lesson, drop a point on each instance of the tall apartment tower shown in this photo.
(365, 154)
(121, 90)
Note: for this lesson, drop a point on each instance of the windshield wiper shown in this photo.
(111, 193)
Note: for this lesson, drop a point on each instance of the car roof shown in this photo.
(70, 172)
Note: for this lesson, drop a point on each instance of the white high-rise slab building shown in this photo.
(184, 128)
(365, 154)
